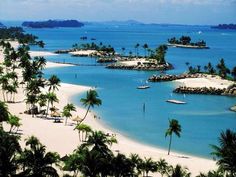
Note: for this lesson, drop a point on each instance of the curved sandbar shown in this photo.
(188, 46)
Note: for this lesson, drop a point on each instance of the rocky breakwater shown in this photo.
(64, 51)
(141, 67)
(167, 77)
(230, 91)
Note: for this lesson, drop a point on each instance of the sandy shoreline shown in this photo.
(208, 81)
(63, 139)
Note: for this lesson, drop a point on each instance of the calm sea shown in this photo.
(202, 118)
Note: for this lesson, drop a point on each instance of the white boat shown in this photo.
(176, 101)
(143, 87)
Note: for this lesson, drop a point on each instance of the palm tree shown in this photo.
(72, 162)
(91, 162)
(83, 128)
(179, 171)
(122, 166)
(163, 167)
(148, 165)
(130, 54)
(51, 98)
(42, 100)
(4, 79)
(223, 70)
(31, 100)
(40, 62)
(36, 161)
(174, 127)
(136, 160)
(160, 54)
(4, 114)
(90, 101)
(136, 48)
(233, 72)
(217, 173)
(67, 111)
(145, 46)
(14, 121)
(53, 83)
(12, 89)
(226, 152)
(99, 141)
(123, 51)
(9, 150)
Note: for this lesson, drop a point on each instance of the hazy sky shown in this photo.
(147, 11)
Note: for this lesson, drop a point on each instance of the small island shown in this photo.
(225, 26)
(17, 33)
(53, 24)
(211, 81)
(185, 42)
(153, 60)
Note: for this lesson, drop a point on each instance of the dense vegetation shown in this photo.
(186, 40)
(17, 33)
(221, 69)
(2, 25)
(225, 26)
(93, 46)
(53, 24)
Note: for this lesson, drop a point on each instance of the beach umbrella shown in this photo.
(55, 114)
(54, 108)
(76, 119)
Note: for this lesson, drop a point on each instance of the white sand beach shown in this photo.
(206, 81)
(41, 53)
(83, 52)
(63, 139)
(133, 62)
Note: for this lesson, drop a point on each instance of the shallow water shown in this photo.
(202, 118)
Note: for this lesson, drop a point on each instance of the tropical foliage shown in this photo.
(226, 152)
(174, 127)
(17, 33)
(91, 100)
(221, 69)
(67, 111)
(186, 40)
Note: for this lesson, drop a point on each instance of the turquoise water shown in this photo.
(202, 118)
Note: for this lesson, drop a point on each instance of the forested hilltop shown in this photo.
(52, 24)
(2, 25)
(225, 26)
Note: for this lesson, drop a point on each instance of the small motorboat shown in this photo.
(143, 87)
(176, 101)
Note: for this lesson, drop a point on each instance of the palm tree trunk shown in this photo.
(66, 120)
(47, 110)
(4, 99)
(10, 129)
(85, 115)
(170, 144)
(79, 135)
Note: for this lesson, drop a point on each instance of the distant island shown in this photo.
(225, 26)
(2, 25)
(53, 24)
(185, 42)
